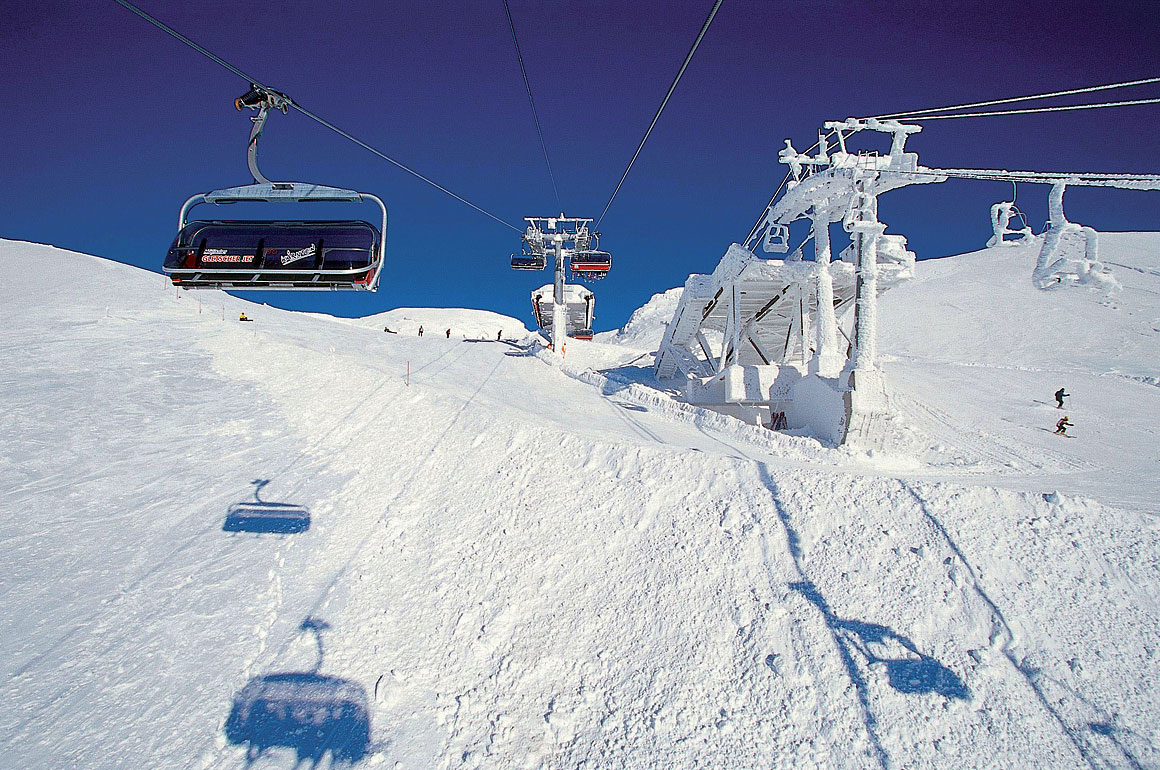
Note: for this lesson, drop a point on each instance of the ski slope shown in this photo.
(521, 563)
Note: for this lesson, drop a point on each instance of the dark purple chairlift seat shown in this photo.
(277, 254)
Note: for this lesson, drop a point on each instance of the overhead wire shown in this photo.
(1031, 110)
(391, 160)
(656, 117)
(761, 220)
(928, 114)
(1010, 100)
(210, 55)
(532, 102)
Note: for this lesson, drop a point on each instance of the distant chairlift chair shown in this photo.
(528, 262)
(776, 239)
(591, 264)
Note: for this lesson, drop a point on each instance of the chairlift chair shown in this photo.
(528, 262)
(581, 334)
(590, 264)
(276, 254)
(776, 239)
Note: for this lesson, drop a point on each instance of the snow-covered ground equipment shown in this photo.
(276, 253)
(578, 306)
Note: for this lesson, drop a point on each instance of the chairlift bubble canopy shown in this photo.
(273, 254)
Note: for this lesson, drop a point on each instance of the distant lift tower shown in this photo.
(566, 239)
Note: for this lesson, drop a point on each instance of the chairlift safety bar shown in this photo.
(289, 192)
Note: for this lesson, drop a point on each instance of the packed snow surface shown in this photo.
(516, 562)
(646, 326)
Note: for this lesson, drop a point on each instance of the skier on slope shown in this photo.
(448, 334)
(420, 331)
(1062, 426)
(1059, 397)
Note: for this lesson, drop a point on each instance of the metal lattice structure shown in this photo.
(565, 311)
(737, 331)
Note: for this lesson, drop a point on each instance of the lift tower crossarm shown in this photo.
(1071, 179)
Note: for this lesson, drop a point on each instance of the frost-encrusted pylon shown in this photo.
(1002, 214)
(1070, 252)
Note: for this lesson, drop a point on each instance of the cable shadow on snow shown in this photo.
(630, 407)
(261, 517)
(908, 670)
(528, 349)
(1037, 680)
(307, 712)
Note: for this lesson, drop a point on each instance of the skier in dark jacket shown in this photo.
(448, 334)
(1062, 426)
(420, 331)
(1059, 397)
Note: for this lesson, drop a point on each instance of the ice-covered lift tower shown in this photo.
(566, 239)
(778, 319)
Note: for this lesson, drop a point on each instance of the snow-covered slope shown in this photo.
(476, 324)
(646, 325)
(974, 353)
(981, 309)
(520, 565)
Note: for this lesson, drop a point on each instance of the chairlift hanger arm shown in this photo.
(316, 118)
(263, 100)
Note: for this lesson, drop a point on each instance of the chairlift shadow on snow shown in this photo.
(310, 713)
(621, 377)
(907, 669)
(261, 517)
(630, 407)
(523, 350)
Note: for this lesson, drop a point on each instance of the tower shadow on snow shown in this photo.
(907, 669)
(308, 712)
(262, 517)
(911, 672)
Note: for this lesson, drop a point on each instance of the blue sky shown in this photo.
(109, 124)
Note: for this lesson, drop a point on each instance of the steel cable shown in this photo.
(673, 87)
(532, 102)
(1031, 110)
(1069, 92)
(209, 54)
